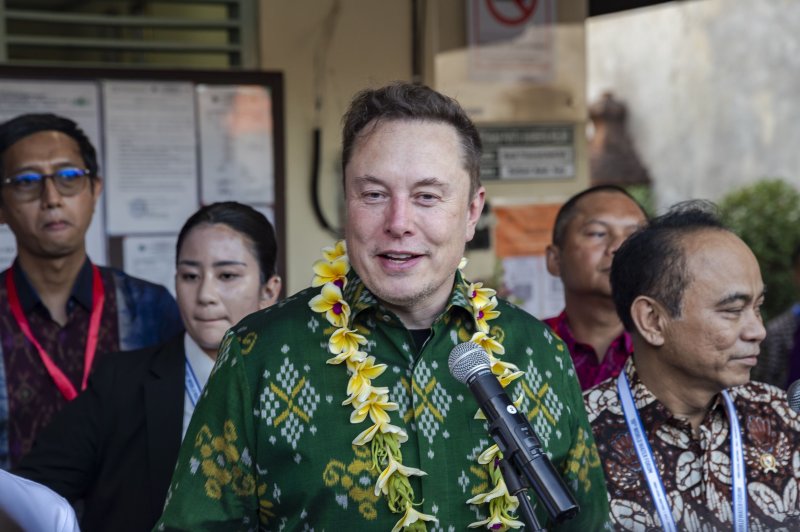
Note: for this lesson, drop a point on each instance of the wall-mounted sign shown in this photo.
(511, 40)
(528, 151)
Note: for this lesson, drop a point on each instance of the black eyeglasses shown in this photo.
(27, 186)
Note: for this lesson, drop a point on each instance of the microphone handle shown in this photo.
(521, 446)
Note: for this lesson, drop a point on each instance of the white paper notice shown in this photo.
(151, 177)
(78, 101)
(151, 258)
(237, 162)
(511, 41)
(532, 287)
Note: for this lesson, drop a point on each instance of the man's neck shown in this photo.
(593, 320)
(684, 398)
(53, 280)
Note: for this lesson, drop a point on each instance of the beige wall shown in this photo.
(370, 44)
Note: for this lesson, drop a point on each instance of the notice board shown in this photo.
(168, 142)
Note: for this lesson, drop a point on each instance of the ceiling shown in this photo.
(603, 7)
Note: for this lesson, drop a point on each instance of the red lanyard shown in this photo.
(61, 380)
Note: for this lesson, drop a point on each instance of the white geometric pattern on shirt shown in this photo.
(543, 400)
(288, 402)
(430, 397)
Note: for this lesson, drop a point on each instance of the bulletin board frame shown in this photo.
(271, 80)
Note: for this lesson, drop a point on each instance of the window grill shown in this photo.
(135, 33)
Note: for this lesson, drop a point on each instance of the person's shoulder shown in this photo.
(518, 315)
(136, 361)
(130, 283)
(520, 325)
(286, 312)
(761, 399)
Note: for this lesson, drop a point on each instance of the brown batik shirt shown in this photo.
(696, 470)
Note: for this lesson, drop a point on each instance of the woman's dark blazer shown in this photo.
(115, 446)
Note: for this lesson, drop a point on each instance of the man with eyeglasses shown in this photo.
(59, 312)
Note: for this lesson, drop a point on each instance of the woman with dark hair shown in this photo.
(115, 445)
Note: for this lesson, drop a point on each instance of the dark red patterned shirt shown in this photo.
(591, 371)
(696, 471)
(33, 398)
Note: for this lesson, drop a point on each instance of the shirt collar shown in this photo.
(560, 324)
(201, 363)
(81, 290)
(642, 396)
(360, 299)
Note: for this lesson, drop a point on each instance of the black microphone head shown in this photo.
(793, 396)
(466, 359)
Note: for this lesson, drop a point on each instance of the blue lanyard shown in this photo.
(193, 387)
(648, 463)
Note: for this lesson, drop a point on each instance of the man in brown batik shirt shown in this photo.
(689, 291)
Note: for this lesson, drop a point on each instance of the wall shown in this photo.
(711, 88)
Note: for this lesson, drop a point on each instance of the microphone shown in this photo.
(469, 364)
(793, 396)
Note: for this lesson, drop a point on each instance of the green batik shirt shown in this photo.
(270, 444)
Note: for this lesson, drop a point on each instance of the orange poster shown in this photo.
(524, 230)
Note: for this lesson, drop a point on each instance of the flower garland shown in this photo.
(373, 402)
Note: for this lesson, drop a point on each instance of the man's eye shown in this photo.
(188, 276)
(26, 180)
(69, 174)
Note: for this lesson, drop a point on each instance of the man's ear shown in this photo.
(553, 259)
(97, 187)
(650, 319)
(270, 291)
(474, 210)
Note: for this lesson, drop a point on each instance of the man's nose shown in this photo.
(399, 217)
(50, 196)
(754, 330)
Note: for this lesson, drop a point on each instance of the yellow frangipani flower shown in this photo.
(338, 250)
(344, 343)
(400, 434)
(489, 454)
(480, 296)
(500, 366)
(498, 491)
(366, 435)
(488, 343)
(500, 521)
(394, 467)
(412, 516)
(385, 428)
(331, 272)
(331, 302)
(359, 383)
(376, 406)
(486, 313)
(509, 376)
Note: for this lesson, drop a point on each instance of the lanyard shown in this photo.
(98, 299)
(193, 387)
(647, 460)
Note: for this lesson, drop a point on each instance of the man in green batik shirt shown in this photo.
(272, 446)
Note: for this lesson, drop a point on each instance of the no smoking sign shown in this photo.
(512, 12)
(511, 39)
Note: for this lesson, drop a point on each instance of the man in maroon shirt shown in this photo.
(589, 228)
(58, 311)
